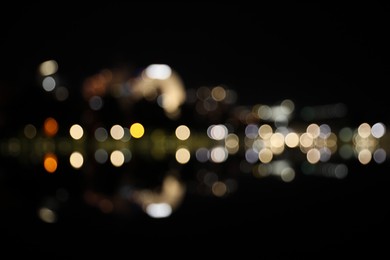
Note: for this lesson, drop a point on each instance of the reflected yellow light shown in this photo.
(50, 162)
(313, 156)
(277, 140)
(137, 130)
(47, 215)
(76, 160)
(306, 140)
(48, 67)
(292, 140)
(232, 143)
(182, 132)
(30, 131)
(364, 130)
(364, 156)
(117, 158)
(219, 189)
(265, 131)
(183, 155)
(218, 93)
(50, 126)
(313, 130)
(76, 131)
(265, 155)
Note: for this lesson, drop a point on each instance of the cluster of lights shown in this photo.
(262, 137)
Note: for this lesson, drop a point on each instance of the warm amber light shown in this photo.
(50, 126)
(50, 162)
(137, 130)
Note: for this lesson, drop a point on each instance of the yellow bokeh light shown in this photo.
(219, 189)
(137, 130)
(183, 155)
(48, 67)
(365, 156)
(306, 140)
(313, 156)
(277, 140)
(76, 131)
(364, 130)
(218, 93)
(292, 140)
(182, 132)
(265, 155)
(117, 158)
(265, 132)
(50, 162)
(313, 130)
(76, 159)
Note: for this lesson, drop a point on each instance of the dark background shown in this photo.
(312, 54)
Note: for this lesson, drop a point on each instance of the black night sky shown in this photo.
(311, 54)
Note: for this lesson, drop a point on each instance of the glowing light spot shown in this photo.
(47, 215)
(50, 162)
(325, 154)
(48, 84)
(48, 67)
(182, 132)
(117, 132)
(219, 189)
(218, 93)
(218, 154)
(264, 112)
(76, 160)
(183, 155)
(30, 131)
(61, 93)
(232, 143)
(159, 210)
(378, 130)
(364, 130)
(277, 140)
(101, 134)
(313, 130)
(101, 156)
(265, 131)
(117, 158)
(306, 140)
(380, 155)
(265, 155)
(202, 154)
(137, 130)
(287, 106)
(96, 103)
(158, 71)
(217, 132)
(76, 131)
(50, 126)
(325, 131)
(364, 156)
(292, 140)
(287, 174)
(313, 156)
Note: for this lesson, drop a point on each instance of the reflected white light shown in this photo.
(159, 210)
(117, 158)
(218, 154)
(76, 159)
(158, 71)
(217, 132)
(76, 132)
(48, 84)
(251, 156)
(117, 132)
(378, 130)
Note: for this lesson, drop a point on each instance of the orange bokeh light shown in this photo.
(50, 126)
